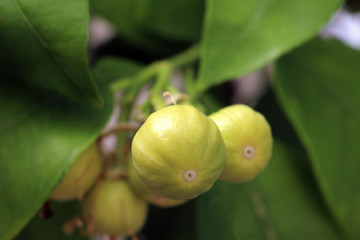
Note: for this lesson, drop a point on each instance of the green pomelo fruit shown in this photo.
(248, 141)
(114, 209)
(81, 175)
(178, 152)
(142, 191)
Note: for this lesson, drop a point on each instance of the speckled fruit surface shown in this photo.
(248, 141)
(178, 152)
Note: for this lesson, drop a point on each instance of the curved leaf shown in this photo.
(318, 86)
(41, 133)
(43, 42)
(40, 136)
(281, 203)
(242, 36)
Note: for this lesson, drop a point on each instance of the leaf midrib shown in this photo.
(48, 49)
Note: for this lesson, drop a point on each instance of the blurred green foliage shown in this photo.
(52, 105)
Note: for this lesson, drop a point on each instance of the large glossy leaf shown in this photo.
(43, 42)
(242, 36)
(41, 133)
(318, 86)
(281, 203)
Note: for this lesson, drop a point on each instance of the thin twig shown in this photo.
(121, 127)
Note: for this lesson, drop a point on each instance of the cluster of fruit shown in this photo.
(176, 155)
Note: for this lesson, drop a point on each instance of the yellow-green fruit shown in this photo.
(81, 175)
(248, 141)
(141, 190)
(178, 152)
(114, 209)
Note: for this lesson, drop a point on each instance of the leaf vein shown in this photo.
(48, 49)
(16, 118)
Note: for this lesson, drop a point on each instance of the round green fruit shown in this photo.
(113, 208)
(178, 152)
(141, 190)
(248, 141)
(81, 175)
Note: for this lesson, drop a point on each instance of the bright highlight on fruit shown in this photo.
(248, 141)
(112, 208)
(178, 152)
(81, 175)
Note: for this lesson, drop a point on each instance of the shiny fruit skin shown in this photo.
(114, 209)
(141, 190)
(248, 141)
(178, 152)
(81, 175)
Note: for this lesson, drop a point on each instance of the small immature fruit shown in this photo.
(178, 152)
(248, 141)
(141, 190)
(81, 175)
(112, 208)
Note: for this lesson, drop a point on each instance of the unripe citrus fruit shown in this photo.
(81, 175)
(141, 190)
(114, 209)
(178, 152)
(248, 141)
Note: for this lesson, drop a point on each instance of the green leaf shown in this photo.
(52, 228)
(318, 86)
(281, 203)
(242, 36)
(177, 20)
(133, 20)
(43, 42)
(111, 68)
(41, 135)
(122, 14)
